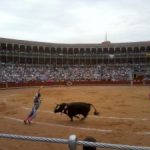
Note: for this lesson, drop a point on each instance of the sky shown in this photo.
(75, 21)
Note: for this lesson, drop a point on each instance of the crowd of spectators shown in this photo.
(24, 73)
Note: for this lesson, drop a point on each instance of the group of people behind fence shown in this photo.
(22, 73)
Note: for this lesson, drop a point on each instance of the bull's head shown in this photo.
(60, 108)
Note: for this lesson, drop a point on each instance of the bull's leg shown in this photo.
(71, 117)
(84, 116)
(77, 116)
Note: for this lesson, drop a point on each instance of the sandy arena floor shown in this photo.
(124, 116)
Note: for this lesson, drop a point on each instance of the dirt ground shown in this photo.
(124, 116)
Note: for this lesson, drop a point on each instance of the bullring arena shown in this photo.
(124, 115)
(114, 77)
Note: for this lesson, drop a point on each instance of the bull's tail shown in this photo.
(95, 111)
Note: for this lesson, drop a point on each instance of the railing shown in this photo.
(73, 142)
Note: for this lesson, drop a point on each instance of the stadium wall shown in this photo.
(69, 83)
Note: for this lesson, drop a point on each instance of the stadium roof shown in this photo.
(74, 45)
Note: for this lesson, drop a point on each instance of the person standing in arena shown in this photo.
(37, 102)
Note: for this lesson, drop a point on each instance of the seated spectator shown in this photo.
(28, 73)
(89, 139)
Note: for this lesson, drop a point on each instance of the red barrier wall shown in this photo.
(68, 83)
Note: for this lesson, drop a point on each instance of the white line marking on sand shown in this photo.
(11, 118)
(78, 128)
(145, 133)
(115, 118)
(58, 125)
(118, 118)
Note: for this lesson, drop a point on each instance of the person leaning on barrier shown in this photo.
(89, 139)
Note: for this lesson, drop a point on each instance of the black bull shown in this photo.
(74, 109)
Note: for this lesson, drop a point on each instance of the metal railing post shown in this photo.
(72, 142)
